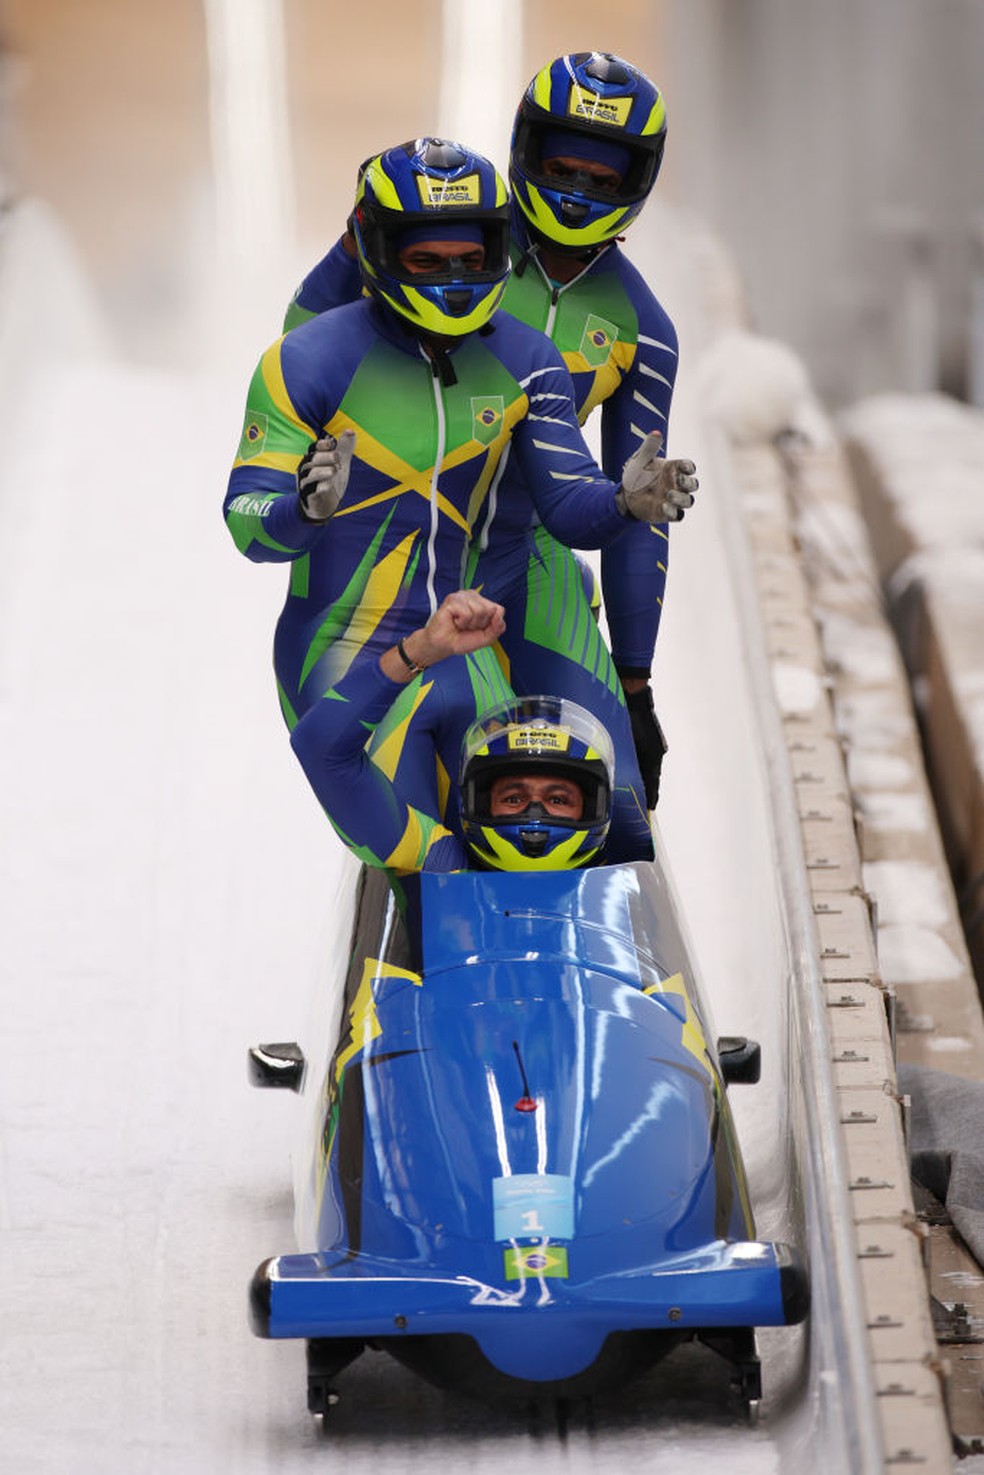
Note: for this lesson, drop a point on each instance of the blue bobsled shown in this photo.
(525, 1176)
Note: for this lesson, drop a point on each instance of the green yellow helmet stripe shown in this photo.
(599, 231)
(541, 88)
(421, 311)
(382, 186)
(657, 118)
(505, 856)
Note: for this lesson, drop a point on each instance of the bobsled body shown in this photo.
(524, 1169)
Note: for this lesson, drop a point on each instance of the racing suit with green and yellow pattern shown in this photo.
(429, 452)
(621, 350)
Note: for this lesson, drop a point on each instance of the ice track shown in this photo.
(171, 895)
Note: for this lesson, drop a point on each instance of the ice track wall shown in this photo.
(773, 890)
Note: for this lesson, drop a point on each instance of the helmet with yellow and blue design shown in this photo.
(433, 189)
(519, 764)
(590, 107)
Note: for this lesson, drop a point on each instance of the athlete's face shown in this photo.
(560, 797)
(568, 169)
(425, 256)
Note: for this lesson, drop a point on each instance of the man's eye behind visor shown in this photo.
(636, 160)
(386, 238)
(594, 792)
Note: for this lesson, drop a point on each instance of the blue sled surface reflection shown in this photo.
(524, 1170)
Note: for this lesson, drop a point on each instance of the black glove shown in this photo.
(650, 744)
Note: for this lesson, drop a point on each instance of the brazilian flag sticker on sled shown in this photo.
(526, 1261)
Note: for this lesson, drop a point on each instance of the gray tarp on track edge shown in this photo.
(946, 1145)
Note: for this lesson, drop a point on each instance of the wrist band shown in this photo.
(410, 665)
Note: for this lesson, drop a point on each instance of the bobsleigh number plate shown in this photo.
(533, 1204)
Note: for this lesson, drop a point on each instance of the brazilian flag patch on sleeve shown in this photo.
(254, 436)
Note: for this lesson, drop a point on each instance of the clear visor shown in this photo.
(644, 155)
(383, 232)
(546, 714)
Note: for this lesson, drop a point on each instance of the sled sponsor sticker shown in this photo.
(487, 413)
(597, 341)
(253, 437)
(524, 1261)
(528, 1204)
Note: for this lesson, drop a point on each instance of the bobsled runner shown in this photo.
(522, 1175)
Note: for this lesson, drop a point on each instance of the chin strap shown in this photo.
(443, 367)
(592, 253)
(528, 255)
(585, 258)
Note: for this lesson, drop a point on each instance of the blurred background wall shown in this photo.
(200, 153)
(837, 147)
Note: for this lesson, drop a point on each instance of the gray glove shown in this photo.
(323, 474)
(655, 490)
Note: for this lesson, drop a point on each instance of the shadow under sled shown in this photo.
(524, 1175)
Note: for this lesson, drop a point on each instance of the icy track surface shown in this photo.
(170, 895)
